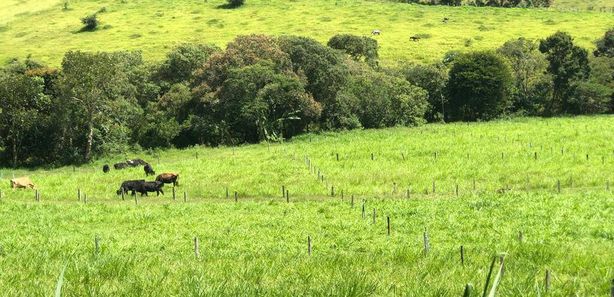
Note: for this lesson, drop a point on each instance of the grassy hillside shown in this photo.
(155, 26)
(507, 175)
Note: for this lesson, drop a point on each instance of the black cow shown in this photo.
(119, 166)
(106, 168)
(132, 186)
(148, 170)
(154, 186)
(414, 38)
(136, 162)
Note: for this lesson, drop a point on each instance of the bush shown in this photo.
(235, 3)
(358, 47)
(90, 22)
(479, 86)
(432, 78)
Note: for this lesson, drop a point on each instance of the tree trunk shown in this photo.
(90, 139)
(14, 153)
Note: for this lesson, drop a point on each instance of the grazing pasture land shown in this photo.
(47, 30)
(536, 190)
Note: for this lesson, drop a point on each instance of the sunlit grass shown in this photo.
(156, 26)
(258, 245)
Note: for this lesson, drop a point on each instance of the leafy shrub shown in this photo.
(235, 3)
(90, 22)
(479, 86)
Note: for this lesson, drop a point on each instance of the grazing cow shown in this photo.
(136, 162)
(168, 178)
(376, 32)
(132, 186)
(154, 186)
(445, 20)
(106, 168)
(414, 38)
(22, 183)
(119, 166)
(148, 170)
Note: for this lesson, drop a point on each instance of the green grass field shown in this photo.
(46, 31)
(258, 245)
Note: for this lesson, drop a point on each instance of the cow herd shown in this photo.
(141, 186)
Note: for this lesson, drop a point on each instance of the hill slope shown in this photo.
(154, 26)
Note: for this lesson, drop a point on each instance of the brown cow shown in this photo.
(22, 183)
(168, 178)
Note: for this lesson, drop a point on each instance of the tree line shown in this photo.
(264, 88)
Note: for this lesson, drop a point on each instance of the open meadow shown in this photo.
(46, 30)
(538, 191)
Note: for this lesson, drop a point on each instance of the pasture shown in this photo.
(46, 30)
(536, 190)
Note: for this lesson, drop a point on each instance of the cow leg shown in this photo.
(161, 191)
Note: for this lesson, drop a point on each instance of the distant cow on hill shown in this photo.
(376, 32)
(148, 170)
(22, 183)
(168, 178)
(136, 162)
(119, 166)
(414, 38)
(106, 168)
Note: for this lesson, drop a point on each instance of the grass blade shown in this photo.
(58, 286)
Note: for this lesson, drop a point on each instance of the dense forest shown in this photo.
(264, 88)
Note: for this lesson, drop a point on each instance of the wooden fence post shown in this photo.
(374, 215)
(547, 280)
(84, 198)
(37, 196)
(185, 196)
(283, 191)
(288, 196)
(227, 196)
(332, 191)
(337, 156)
(372, 157)
(558, 186)
(79, 194)
(363, 209)
(520, 236)
(97, 244)
(174, 194)
(309, 245)
(456, 190)
(236, 196)
(612, 291)
(196, 248)
(468, 290)
(433, 187)
(352, 203)
(462, 255)
(427, 245)
(408, 194)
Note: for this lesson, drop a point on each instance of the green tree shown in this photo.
(380, 100)
(182, 61)
(358, 47)
(260, 103)
(235, 3)
(605, 45)
(98, 97)
(23, 101)
(529, 67)
(324, 69)
(567, 63)
(479, 86)
(433, 79)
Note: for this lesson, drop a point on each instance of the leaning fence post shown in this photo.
(309, 245)
(462, 255)
(468, 290)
